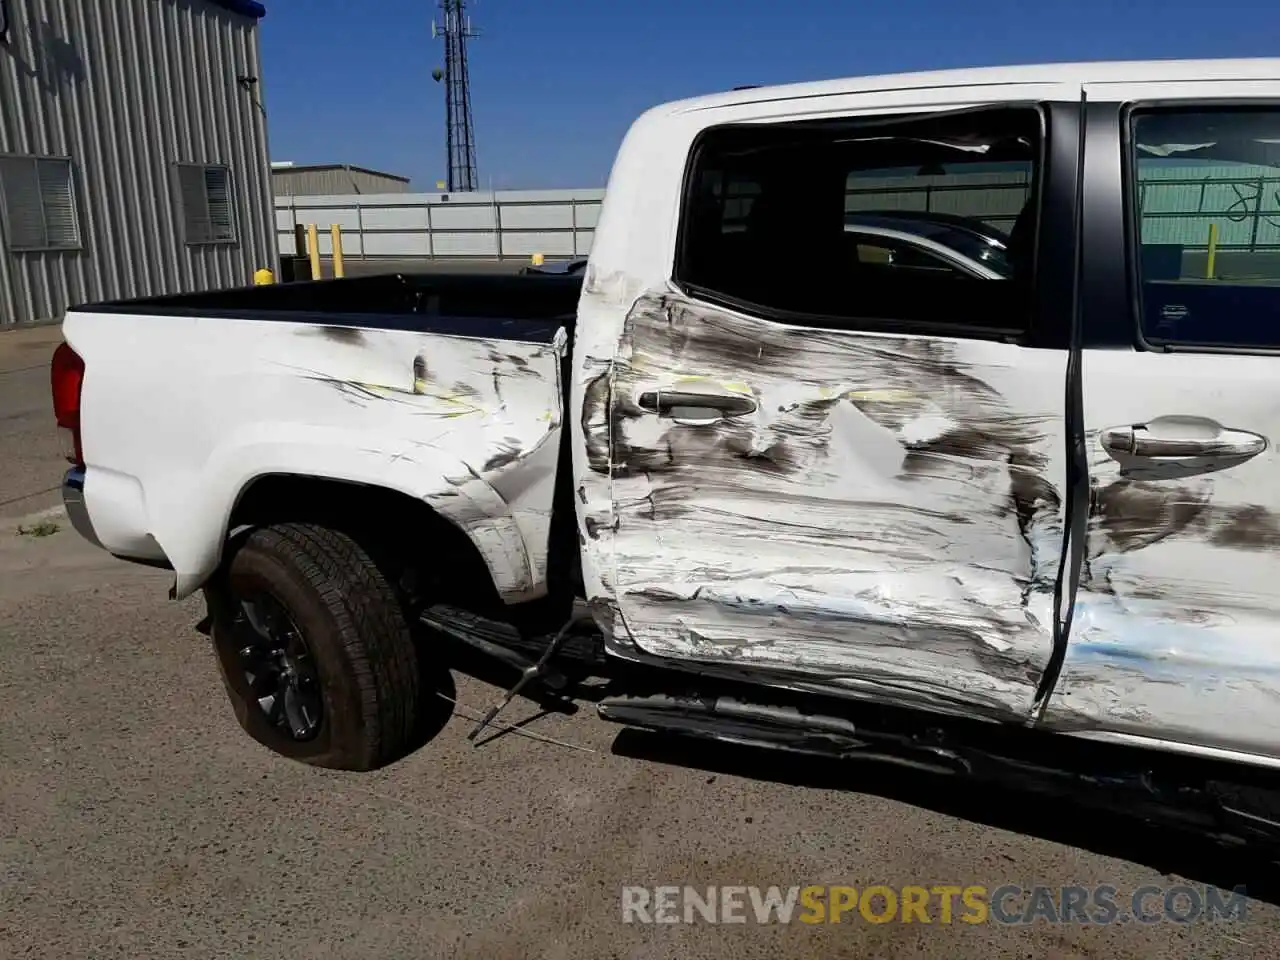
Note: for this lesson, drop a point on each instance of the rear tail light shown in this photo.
(67, 378)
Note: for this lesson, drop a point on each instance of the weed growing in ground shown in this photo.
(41, 528)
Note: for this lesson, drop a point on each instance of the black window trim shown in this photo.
(1133, 226)
(1055, 188)
(1107, 294)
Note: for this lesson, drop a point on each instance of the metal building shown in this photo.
(332, 180)
(133, 151)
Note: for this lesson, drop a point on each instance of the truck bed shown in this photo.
(464, 304)
(447, 390)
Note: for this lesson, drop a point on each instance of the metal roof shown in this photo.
(279, 167)
(249, 8)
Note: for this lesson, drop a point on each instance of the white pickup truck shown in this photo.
(930, 418)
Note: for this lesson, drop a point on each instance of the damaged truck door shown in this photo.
(1174, 636)
(834, 466)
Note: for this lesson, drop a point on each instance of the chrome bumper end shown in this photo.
(77, 510)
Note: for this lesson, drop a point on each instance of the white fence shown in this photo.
(489, 226)
(561, 223)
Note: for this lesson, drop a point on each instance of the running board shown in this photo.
(774, 727)
(787, 729)
(504, 642)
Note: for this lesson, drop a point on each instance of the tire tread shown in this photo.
(375, 638)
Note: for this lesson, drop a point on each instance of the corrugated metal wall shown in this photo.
(331, 182)
(126, 89)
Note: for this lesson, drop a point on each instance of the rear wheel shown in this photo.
(314, 650)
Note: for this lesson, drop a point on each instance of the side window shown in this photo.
(920, 223)
(1205, 191)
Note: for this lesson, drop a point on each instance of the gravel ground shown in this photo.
(137, 821)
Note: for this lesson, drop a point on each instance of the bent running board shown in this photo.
(1138, 790)
(777, 727)
(505, 642)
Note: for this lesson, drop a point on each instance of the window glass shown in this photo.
(1206, 191)
(920, 221)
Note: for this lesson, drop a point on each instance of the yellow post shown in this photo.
(263, 277)
(1211, 263)
(538, 259)
(313, 248)
(339, 268)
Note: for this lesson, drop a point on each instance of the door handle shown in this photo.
(1138, 441)
(693, 405)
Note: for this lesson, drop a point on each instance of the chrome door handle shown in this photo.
(1139, 441)
(690, 404)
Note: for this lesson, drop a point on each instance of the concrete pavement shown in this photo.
(139, 822)
(31, 464)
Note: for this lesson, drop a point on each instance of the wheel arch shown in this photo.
(399, 529)
(196, 541)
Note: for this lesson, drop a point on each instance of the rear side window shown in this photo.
(1205, 188)
(924, 223)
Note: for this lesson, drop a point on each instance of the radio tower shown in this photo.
(456, 30)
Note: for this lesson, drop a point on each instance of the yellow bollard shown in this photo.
(313, 248)
(263, 277)
(538, 259)
(1211, 263)
(339, 268)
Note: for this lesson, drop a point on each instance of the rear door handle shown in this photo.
(693, 405)
(1139, 441)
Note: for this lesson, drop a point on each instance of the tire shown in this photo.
(351, 674)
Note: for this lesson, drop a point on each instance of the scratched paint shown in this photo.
(889, 514)
(470, 426)
(491, 407)
(348, 335)
(1190, 675)
(1175, 630)
(607, 296)
(1174, 634)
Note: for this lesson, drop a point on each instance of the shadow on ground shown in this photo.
(439, 697)
(1055, 819)
(1164, 845)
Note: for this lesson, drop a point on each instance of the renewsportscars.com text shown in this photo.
(939, 903)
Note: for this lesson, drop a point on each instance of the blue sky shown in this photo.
(556, 84)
